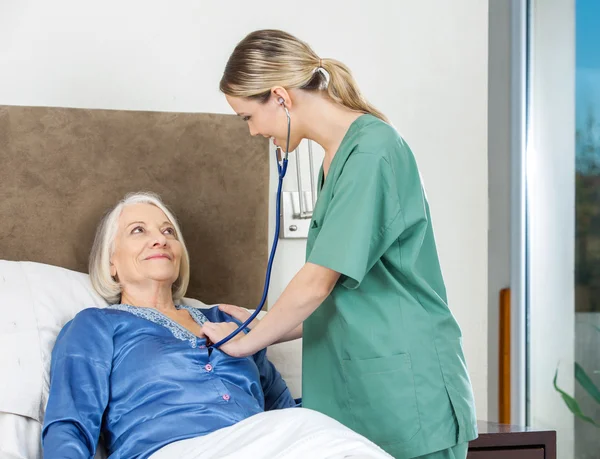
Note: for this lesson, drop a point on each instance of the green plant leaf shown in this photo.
(585, 381)
(572, 403)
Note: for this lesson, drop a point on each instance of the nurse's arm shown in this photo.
(243, 314)
(303, 295)
(296, 333)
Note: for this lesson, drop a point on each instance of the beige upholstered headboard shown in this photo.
(62, 168)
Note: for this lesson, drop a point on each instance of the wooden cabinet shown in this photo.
(500, 441)
(534, 453)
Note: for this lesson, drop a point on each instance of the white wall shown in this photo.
(551, 210)
(423, 63)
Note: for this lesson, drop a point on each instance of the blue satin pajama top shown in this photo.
(143, 381)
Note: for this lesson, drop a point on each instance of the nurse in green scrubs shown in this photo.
(382, 353)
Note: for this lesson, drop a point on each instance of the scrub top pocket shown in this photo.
(383, 388)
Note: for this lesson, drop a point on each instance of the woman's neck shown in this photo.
(158, 296)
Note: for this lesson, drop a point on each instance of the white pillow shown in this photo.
(21, 373)
(36, 301)
(20, 437)
(287, 358)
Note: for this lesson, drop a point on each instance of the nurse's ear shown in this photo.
(281, 97)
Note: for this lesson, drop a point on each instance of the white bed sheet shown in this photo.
(293, 433)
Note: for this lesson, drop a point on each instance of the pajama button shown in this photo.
(208, 367)
(226, 397)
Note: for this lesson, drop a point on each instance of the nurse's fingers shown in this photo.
(238, 313)
(216, 331)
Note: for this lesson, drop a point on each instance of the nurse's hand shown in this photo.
(216, 331)
(242, 315)
(238, 313)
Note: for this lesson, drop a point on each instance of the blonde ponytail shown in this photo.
(342, 88)
(268, 58)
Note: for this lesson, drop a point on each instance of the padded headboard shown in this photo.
(62, 168)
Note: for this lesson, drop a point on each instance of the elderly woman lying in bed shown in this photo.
(139, 371)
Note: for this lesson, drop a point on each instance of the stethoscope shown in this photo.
(281, 169)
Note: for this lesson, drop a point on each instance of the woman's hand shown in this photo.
(238, 313)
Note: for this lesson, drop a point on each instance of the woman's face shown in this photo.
(146, 248)
(267, 119)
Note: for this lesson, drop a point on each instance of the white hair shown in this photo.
(103, 248)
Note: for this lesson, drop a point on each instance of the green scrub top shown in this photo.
(383, 353)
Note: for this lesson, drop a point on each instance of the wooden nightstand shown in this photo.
(501, 441)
